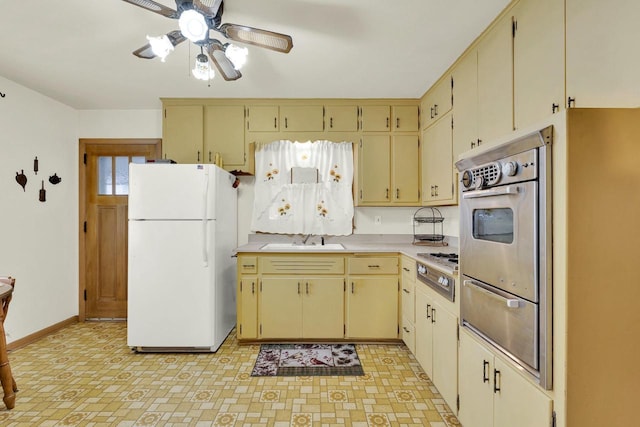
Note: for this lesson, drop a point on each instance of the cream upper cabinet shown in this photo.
(465, 104)
(182, 133)
(603, 64)
(388, 170)
(437, 102)
(301, 118)
(437, 164)
(341, 118)
(493, 394)
(224, 134)
(538, 60)
(405, 118)
(263, 118)
(405, 169)
(375, 118)
(374, 173)
(495, 82)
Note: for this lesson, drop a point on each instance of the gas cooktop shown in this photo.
(449, 260)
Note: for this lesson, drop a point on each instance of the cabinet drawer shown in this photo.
(302, 265)
(247, 264)
(409, 268)
(373, 265)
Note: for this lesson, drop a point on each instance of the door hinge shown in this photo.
(84, 158)
(398, 329)
(458, 332)
(240, 286)
(458, 403)
(241, 330)
(344, 329)
(553, 419)
(514, 27)
(260, 329)
(165, 113)
(84, 227)
(85, 294)
(451, 122)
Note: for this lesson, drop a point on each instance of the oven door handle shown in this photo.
(509, 302)
(492, 192)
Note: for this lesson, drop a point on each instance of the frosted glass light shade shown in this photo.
(192, 25)
(237, 55)
(160, 46)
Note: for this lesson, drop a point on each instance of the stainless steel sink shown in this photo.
(293, 247)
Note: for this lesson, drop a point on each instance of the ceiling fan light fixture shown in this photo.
(193, 25)
(202, 69)
(160, 46)
(237, 55)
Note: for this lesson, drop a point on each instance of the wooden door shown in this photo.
(104, 187)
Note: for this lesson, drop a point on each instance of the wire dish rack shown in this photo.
(427, 227)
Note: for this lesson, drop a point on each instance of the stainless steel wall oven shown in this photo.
(505, 250)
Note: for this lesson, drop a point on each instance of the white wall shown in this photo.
(39, 241)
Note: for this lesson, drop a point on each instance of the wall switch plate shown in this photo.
(377, 220)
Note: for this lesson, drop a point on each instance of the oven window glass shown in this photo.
(494, 225)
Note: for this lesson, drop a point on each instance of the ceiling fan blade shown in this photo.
(222, 63)
(145, 52)
(255, 36)
(208, 7)
(155, 7)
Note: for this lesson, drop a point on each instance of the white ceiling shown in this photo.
(79, 51)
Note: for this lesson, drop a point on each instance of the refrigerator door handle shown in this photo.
(205, 194)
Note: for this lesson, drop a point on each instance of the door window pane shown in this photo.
(122, 175)
(105, 172)
(138, 159)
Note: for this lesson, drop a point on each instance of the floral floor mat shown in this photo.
(286, 360)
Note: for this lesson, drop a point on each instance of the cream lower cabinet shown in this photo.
(301, 307)
(493, 394)
(247, 310)
(372, 297)
(407, 295)
(437, 343)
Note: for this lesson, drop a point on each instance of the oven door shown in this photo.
(506, 321)
(498, 237)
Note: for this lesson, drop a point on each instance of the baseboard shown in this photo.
(14, 345)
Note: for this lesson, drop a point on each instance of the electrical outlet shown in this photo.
(377, 220)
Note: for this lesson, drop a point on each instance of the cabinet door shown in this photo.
(476, 383)
(262, 118)
(602, 53)
(405, 118)
(538, 60)
(408, 334)
(438, 101)
(437, 164)
(182, 133)
(495, 82)
(519, 402)
(465, 104)
(372, 307)
(281, 307)
(424, 332)
(302, 118)
(408, 296)
(341, 118)
(374, 172)
(405, 168)
(224, 134)
(323, 307)
(445, 354)
(376, 118)
(248, 308)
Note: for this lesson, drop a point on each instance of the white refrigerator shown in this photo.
(181, 274)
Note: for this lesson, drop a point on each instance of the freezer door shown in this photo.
(169, 191)
(171, 296)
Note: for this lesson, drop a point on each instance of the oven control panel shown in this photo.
(436, 280)
(516, 168)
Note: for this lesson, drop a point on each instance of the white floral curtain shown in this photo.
(322, 208)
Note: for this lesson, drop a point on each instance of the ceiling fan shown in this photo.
(196, 18)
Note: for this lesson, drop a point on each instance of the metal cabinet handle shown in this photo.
(387, 193)
(198, 156)
(433, 315)
(286, 123)
(405, 269)
(554, 108)
(298, 287)
(373, 266)
(387, 122)
(405, 329)
(397, 122)
(331, 122)
(510, 302)
(435, 108)
(248, 265)
(275, 122)
(570, 102)
(432, 113)
(351, 287)
(428, 311)
(307, 288)
(485, 371)
(436, 188)
(479, 142)
(406, 291)
(499, 191)
(473, 144)
(397, 193)
(496, 382)
(209, 156)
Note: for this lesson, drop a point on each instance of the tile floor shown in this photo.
(85, 375)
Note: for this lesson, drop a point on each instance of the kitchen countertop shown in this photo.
(369, 244)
